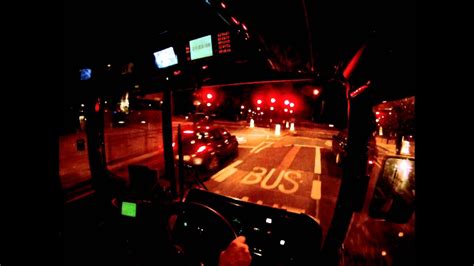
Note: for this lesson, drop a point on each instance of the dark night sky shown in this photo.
(99, 31)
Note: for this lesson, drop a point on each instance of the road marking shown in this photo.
(307, 146)
(246, 146)
(226, 172)
(328, 143)
(256, 147)
(317, 161)
(316, 190)
(267, 144)
(289, 157)
(294, 210)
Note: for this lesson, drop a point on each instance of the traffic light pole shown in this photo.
(168, 138)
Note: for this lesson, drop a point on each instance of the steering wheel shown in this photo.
(198, 233)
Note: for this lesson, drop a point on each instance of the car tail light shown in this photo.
(201, 149)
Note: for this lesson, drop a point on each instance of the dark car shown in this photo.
(339, 148)
(201, 118)
(206, 146)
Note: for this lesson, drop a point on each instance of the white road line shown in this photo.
(267, 144)
(317, 161)
(294, 210)
(328, 143)
(306, 146)
(246, 146)
(256, 147)
(226, 172)
(316, 190)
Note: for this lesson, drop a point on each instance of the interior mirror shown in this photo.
(394, 194)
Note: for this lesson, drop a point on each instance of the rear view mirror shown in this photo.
(394, 194)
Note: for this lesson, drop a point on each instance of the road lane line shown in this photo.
(246, 146)
(226, 172)
(294, 210)
(316, 190)
(267, 144)
(289, 158)
(306, 146)
(256, 147)
(317, 161)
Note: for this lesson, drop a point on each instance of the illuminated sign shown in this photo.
(165, 58)
(223, 42)
(201, 47)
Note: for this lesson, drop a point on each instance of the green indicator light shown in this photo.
(129, 209)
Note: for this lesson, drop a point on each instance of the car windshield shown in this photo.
(282, 104)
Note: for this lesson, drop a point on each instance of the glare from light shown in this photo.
(258, 108)
(259, 101)
(105, 102)
(188, 132)
(404, 169)
(201, 149)
(82, 105)
(244, 26)
(268, 220)
(186, 117)
(282, 242)
(331, 125)
(272, 108)
(208, 104)
(292, 104)
(285, 110)
(167, 78)
(149, 105)
(143, 122)
(209, 96)
(192, 142)
(400, 234)
(377, 113)
(109, 65)
(136, 86)
(291, 111)
(121, 122)
(242, 107)
(261, 113)
(161, 102)
(384, 101)
(272, 100)
(286, 102)
(223, 5)
(384, 253)
(185, 224)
